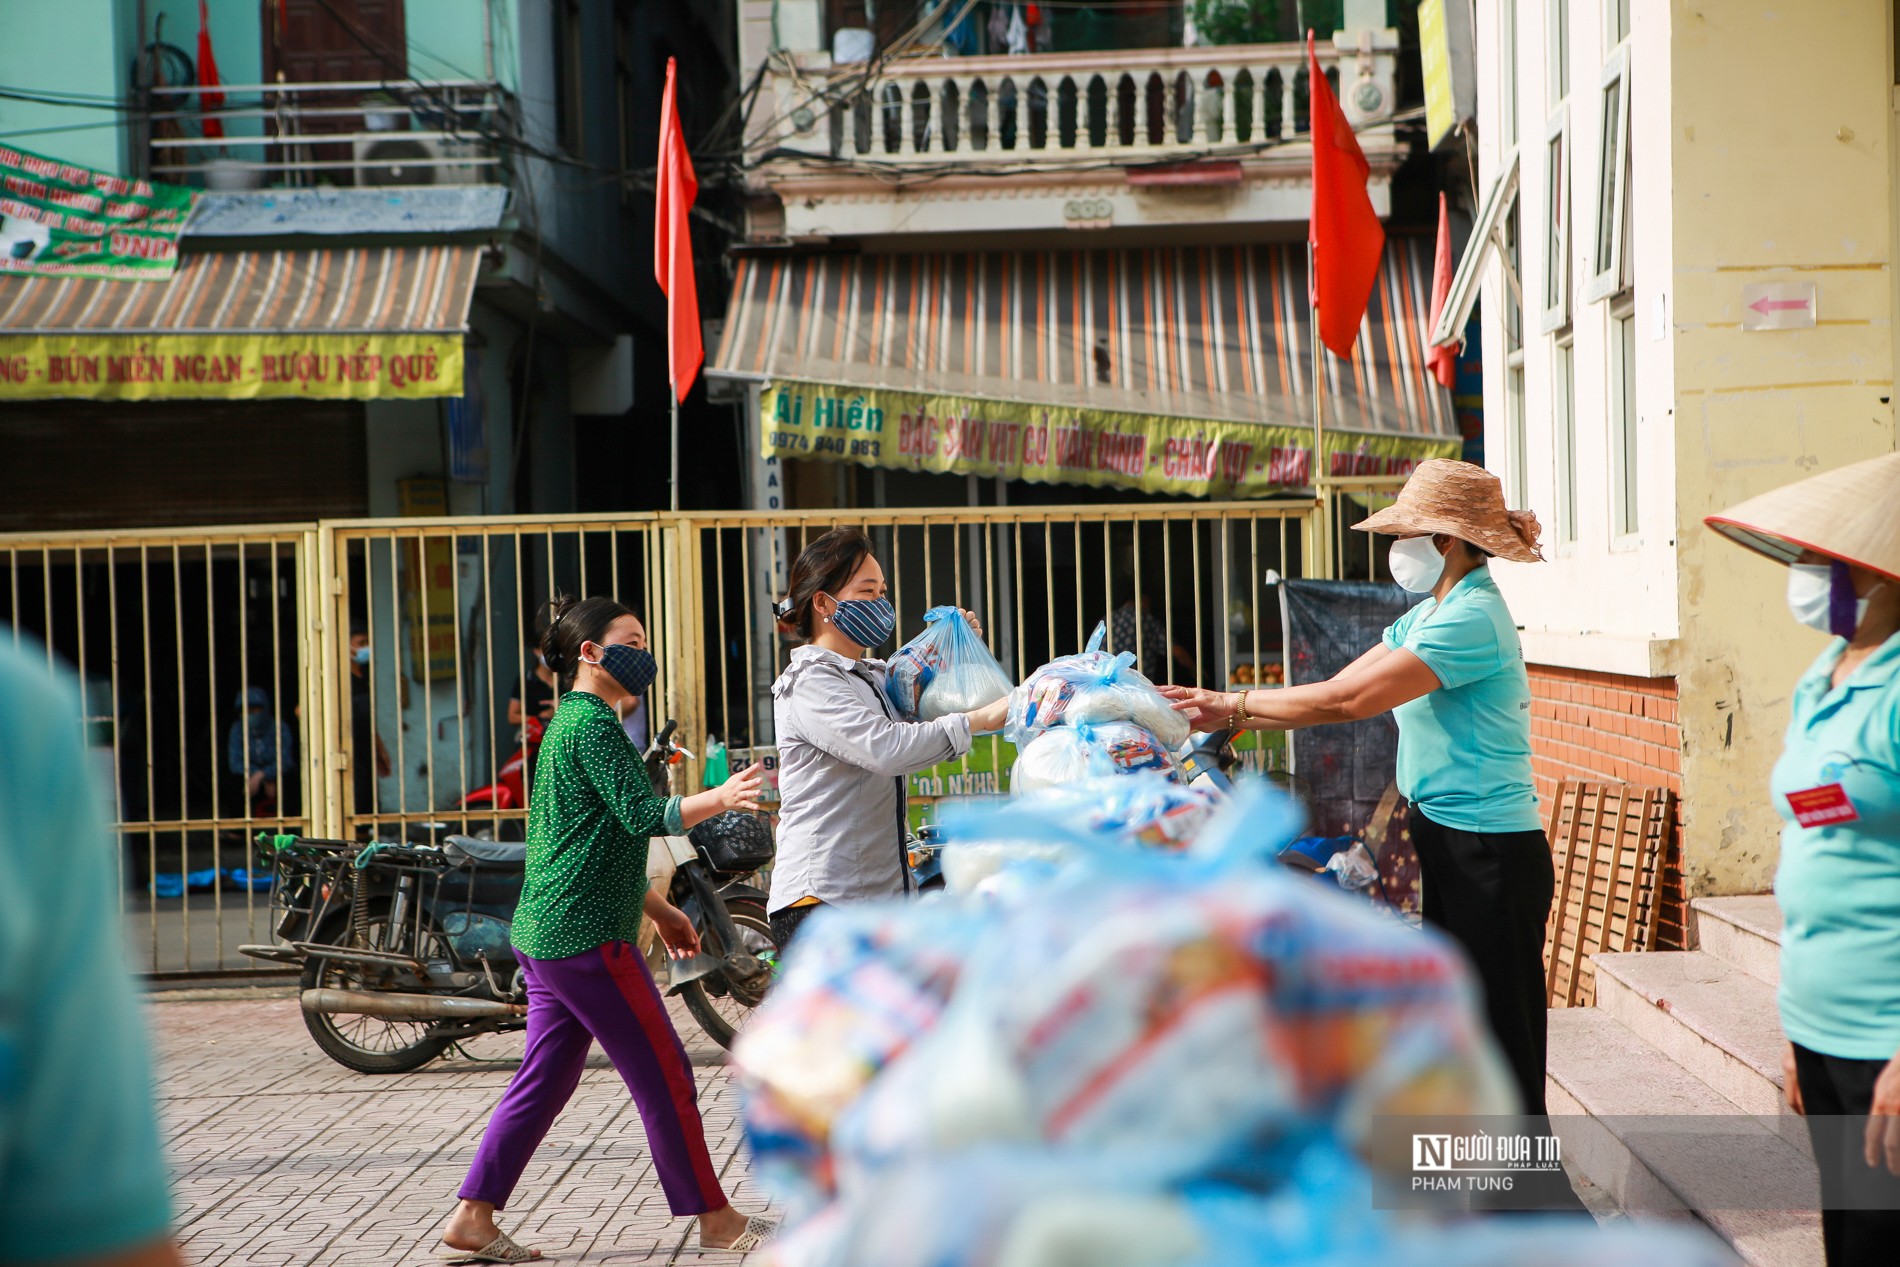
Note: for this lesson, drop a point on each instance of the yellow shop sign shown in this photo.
(1058, 444)
(230, 366)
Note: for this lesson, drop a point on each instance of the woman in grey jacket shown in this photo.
(843, 752)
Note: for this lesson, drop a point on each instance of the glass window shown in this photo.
(1518, 476)
(569, 96)
(1563, 405)
(1557, 44)
(1556, 278)
(623, 85)
(1513, 271)
(1623, 417)
(1618, 11)
(1613, 171)
(1507, 71)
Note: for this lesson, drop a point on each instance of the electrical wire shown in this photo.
(842, 91)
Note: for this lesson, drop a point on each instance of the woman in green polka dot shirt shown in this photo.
(575, 935)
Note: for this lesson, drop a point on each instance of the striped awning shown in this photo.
(1218, 332)
(359, 323)
(389, 290)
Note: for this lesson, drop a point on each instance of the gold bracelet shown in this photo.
(1238, 719)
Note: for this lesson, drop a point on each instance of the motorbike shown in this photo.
(404, 947)
(509, 789)
(708, 873)
(1207, 761)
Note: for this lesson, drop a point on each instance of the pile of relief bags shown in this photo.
(1076, 717)
(1125, 1039)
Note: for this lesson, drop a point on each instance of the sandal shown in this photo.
(500, 1250)
(757, 1232)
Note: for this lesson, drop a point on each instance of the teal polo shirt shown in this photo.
(80, 1171)
(1839, 876)
(1465, 749)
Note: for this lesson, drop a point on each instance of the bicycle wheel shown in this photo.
(371, 1044)
(724, 1015)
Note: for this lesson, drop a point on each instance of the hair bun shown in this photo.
(558, 609)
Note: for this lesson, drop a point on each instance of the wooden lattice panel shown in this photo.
(1607, 843)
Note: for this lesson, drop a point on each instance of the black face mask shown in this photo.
(633, 667)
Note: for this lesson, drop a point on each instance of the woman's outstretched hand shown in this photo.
(976, 626)
(741, 791)
(989, 718)
(1205, 710)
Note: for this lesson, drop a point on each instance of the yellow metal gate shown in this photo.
(224, 696)
(193, 652)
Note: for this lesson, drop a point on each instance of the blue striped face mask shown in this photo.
(869, 622)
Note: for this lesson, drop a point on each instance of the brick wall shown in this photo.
(1611, 728)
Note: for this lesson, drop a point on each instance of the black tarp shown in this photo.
(1342, 771)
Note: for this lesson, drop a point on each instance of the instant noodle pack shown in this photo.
(1131, 1039)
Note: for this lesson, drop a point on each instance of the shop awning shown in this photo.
(1178, 369)
(358, 323)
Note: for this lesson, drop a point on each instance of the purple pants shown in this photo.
(605, 994)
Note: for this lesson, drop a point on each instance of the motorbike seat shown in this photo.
(493, 853)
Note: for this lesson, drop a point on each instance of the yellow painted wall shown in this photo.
(1782, 172)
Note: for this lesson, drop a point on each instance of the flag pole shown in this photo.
(1319, 423)
(673, 473)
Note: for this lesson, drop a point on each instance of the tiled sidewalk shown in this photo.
(282, 1157)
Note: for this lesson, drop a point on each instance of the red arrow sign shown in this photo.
(1766, 305)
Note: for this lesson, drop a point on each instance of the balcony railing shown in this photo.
(362, 133)
(1124, 107)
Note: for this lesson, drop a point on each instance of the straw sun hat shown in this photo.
(1851, 513)
(1462, 501)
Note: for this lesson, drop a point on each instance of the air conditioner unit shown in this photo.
(399, 159)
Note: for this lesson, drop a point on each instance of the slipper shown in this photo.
(757, 1232)
(500, 1250)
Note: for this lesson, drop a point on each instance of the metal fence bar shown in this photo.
(699, 579)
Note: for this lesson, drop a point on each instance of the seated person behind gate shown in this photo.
(257, 748)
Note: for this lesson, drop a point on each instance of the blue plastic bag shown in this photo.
(945, 669)
(861, 984)
(1092, 688)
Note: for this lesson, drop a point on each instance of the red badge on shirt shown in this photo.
(1823, 806)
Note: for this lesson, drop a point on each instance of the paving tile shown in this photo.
(282, 1158)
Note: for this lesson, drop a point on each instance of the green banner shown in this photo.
(1063, 444)
(59, 219)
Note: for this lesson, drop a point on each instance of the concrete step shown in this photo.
(1713, 1019)
(1664, 1145)
(1743, 931)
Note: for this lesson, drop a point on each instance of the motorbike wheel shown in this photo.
(722, 1017)
(368, 1044)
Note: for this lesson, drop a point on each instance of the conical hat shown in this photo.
(1463, 501)
(1851, 513)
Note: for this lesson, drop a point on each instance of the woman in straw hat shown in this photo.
(1451, 673)
(1837, 789)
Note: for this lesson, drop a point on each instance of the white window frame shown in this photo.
(1612, 36)
(1484, 239)
(1553, 292)
(1517, 481)
(1563, 436)
(1612, 200)
(1507, 66)
(1556, 51)
(1626, 417)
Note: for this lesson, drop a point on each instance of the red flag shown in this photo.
(673, 245)
(1441, 359)
(208, 101)
(1345, 231)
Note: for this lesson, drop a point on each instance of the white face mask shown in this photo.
(1416, 564)
(1810, 596)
